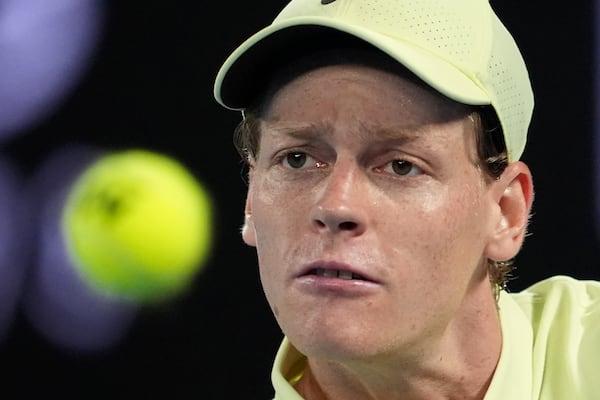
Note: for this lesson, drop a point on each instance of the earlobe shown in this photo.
(248, 232)
(514, 198)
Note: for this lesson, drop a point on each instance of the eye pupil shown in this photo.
(296, 160)
(401, 167)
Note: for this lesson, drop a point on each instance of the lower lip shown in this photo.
(330, 285)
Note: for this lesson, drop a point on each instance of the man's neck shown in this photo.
(459, 365)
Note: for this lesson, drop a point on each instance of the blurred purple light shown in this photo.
(58, 302)
(14, 249)
(45, 47)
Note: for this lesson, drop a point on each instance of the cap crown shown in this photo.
(458, 47)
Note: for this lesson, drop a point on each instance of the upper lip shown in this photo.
(310, 268)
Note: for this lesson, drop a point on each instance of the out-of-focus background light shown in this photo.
(15, 248)
(58, 301)
(45, 47)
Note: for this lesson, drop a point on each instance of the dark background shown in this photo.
(150, 85)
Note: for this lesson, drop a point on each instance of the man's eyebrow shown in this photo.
(395, 133)
(304, 132)
(401, 134)
(320, 131)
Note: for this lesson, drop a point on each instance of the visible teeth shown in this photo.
(333, 273)
(344, 275)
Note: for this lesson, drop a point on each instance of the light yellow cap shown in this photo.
(458, 47)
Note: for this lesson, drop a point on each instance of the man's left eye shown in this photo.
(403, 168)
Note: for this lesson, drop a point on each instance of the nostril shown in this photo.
(342, 226)
(337, 221)
(347, 226)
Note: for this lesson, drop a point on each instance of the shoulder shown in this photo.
(559, 294)
(563, 315)
(562, 310)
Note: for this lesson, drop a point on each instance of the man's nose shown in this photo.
(341, 202)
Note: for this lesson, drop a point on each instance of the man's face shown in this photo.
(369, 214)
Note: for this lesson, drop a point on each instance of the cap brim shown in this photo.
(248, 68)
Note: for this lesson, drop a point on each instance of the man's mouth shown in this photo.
(336, 273)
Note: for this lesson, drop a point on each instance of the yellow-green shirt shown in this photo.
(550, 349)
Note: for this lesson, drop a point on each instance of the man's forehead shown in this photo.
(356, 55)
(388, 90)
(363, 130)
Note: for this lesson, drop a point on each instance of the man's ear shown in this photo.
(248, 232)
(513, 196)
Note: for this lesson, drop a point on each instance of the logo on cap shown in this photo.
(327, 1)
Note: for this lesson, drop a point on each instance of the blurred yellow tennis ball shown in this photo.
(138, 225)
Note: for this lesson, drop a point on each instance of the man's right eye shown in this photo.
(295, 160)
